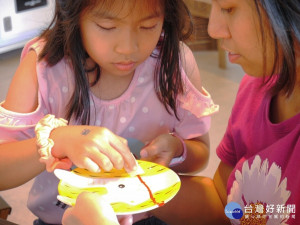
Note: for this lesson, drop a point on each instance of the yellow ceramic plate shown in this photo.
(127, 194)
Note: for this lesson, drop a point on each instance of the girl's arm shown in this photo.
(19, 160)
(197, 148)
(22, 96)
(92, 147)
(165, 147)
(197, 155)
(200, 200)
(190, 67)
(84, 145)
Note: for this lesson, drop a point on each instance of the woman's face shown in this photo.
(120, 35)
(236, 24)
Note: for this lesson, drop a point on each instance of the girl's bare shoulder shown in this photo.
(22, 96)
(190, 66)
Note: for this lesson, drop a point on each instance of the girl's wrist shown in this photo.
(178, 160)
(43, 129)
(58, 135)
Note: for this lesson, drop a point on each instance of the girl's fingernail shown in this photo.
(96, 169)
(144, 154)
(134, 168)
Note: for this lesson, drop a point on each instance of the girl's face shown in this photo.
(236, 24)
(120, 35)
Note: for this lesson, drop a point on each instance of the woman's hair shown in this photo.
(284, 19)
(63, 38)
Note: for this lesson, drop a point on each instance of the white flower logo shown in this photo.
(258, 187)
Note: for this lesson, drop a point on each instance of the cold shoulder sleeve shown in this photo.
(194, 109)
(19, 126)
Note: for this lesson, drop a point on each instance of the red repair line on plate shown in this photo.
(150, 193)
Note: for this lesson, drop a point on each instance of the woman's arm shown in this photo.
(19, 163)
(200, 200)
(220, 180)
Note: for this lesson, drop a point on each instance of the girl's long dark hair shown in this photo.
(63, 39)
(284, 20)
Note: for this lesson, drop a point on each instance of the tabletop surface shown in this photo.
(6, 222)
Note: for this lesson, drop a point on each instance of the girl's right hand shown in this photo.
(93, 148)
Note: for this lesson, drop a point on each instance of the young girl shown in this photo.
(114, 70)
(260, 151)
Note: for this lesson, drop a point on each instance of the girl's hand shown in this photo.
(162, 149)
(92, 147)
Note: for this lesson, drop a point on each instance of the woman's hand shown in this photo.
(91, 209)
(162, 149)
(92, 147)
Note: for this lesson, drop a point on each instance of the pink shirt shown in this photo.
(137, 113)
(265, 156)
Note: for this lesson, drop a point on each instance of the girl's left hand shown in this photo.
(162, 149)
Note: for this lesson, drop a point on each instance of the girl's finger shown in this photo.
(144, 154)
(113, 155)
(149, 151)
(90, 165)
(101, 159)
(124, 150)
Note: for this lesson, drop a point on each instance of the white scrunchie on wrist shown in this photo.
(42, 130)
